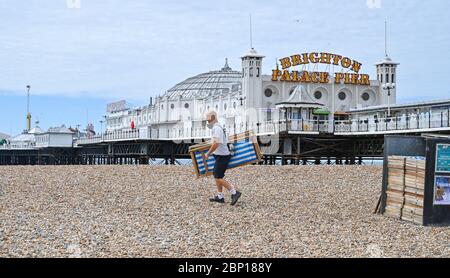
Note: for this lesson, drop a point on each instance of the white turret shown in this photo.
(387, 75)
(252, 78)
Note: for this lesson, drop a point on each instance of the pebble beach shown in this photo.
(163, 211)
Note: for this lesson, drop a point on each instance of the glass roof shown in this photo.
(213, 83)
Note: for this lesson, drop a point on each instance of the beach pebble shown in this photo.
(163, 211)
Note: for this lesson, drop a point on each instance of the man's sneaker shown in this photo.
(235, 197)
(217, 199)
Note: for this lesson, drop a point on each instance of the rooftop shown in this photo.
(386, 61)
(432, 103)
(208, 84)
(4, 136)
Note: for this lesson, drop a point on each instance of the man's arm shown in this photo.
(214, 146)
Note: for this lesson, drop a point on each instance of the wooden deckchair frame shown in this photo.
(247, 136)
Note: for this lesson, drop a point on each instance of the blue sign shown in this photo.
(442, 191)
(443, 158)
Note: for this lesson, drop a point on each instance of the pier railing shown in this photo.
(263, 128)
(18, 147)
(419, 123)
(414, 123)
(110, 136)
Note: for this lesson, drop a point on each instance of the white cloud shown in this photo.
(134, 49)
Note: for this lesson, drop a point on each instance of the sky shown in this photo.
(79, 55)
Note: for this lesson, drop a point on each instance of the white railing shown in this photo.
(17, 147)
(178, 133)
(268, 127)
(308, 126)
(413, 123)
(110, 136)
(121, 135)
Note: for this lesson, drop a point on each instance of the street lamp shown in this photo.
(78, 130)
(241, 99)
(106, 123)
(28, 109)
(388, 87)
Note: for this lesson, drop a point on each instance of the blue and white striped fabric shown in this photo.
(201, 166)
(242, 152)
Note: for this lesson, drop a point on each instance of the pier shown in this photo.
(286, 142)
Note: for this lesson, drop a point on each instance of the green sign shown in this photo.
(443, 158)
(321, 112)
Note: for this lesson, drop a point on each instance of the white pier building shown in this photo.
(307, 93)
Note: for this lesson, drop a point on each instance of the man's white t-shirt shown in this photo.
(220, 137)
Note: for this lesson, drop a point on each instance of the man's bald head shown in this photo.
(211, 117)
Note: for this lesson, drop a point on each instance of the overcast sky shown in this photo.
(113, 49)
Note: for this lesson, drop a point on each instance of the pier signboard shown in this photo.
(116, 106)
(347, 64)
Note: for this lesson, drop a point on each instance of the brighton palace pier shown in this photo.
(311, 108)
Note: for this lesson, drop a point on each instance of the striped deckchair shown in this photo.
(244, 150)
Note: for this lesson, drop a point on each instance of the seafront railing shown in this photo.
(263, 128)
(414, 123)
(394, 124)
(110, 136)
(17, 147)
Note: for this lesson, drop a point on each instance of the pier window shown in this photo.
(387, 77)
(186, 105)
(318, 94)
(268, 92)
(342, 96)
(268, 115)
(365, 96)
(172, 106)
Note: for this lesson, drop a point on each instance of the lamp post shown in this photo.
(78, 131)
(241, 99)
(28, 109)
(388, 87)
(106, 122)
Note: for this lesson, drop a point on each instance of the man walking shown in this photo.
(222, 155)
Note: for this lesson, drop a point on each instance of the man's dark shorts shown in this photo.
(221, 165)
